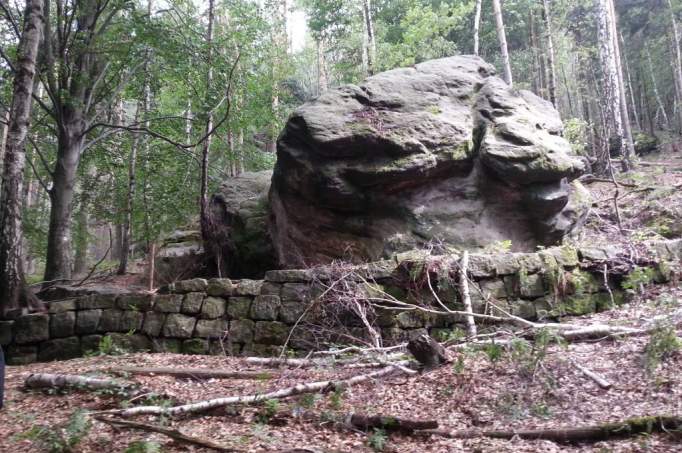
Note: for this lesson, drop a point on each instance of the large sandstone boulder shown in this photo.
(440, 152)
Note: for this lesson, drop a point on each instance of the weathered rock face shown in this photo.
(241, 205)
(444, 151)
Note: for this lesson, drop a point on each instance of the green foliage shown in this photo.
(108, 347)
(499, 246)
(61, 439)
(336, 398)
(377, 440)
(458, 367)
(268, 411)
(638, 278)
(575, 131)
(494, 352)
(527, 356)
(663, 344)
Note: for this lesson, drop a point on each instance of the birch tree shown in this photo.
(502, 38)
(551, 69)
(477, 26)
(13, 291)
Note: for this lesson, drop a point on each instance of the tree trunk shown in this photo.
(631, 90)
(551, 69)
(502, 37)
(629, 150)
(612, 98)
(13, 291)
(80, 261)
(322, 83)
(477, 27)
(3, 141)
(657, 95)
(127, 227)
(678, 57)
(371, 40)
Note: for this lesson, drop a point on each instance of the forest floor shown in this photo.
(484, 389)
(489, 389)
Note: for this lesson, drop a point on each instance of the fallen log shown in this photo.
(310, 387)
(277, 362)
(600, 381)
(172, 433)
(625, 428)
(62, 381)
(193, 373)
(389, 423)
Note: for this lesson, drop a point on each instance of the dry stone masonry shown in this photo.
(256, 317)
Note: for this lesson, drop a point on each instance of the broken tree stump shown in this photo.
(389, 423)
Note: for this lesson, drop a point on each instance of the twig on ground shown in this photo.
(193, 373)
(172, 433)
(600, 381)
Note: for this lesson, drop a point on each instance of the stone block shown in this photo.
(31, 328)
(211, 328)
(131, 321)
(411, 319)
(238, 307)
(195, 285)
(288, 276)
(90, 343)
(168, 303)
(565, 256)
(96, 301)
(291, 311)
(5, 332)
(59, 349)
(153, 323)
(110, 321)
(63, 324)
(191, 304)
(139, 302)
(21, 354)
(178, 326)
(263, 350)
(220, 287)
(265, 308)
(195, 346)
(213, 307)
(481, 266)
(59, 306)
(131, 343)
(296, 292)
(271, 332)
(523, 309)
(87, 321)
(241, 331)
(270, 289)
(169, 345)
(495, 288)
(247, 287)
(531, 286)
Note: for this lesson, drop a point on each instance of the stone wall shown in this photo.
(255, 317)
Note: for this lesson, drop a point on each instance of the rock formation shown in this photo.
(441, 152)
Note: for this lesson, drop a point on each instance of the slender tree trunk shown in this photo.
(80, 261)
(371, 40)
(502, 37)
(205, 220)
(629, 150)
(322, 83)
(657, 95)
(535, 64)
(551, 69)
(127, 227)
(477, 27)
(678, 57)
(3, 140)
(13, 291)
(631, 90)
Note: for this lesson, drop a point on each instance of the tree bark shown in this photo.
(322, 82)
(678, 59)
(657, 95)
(371, 40)
(13, 291)
(477, 27)
(612, 98)
(551, 68)
(629, 150)
(502, 38)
